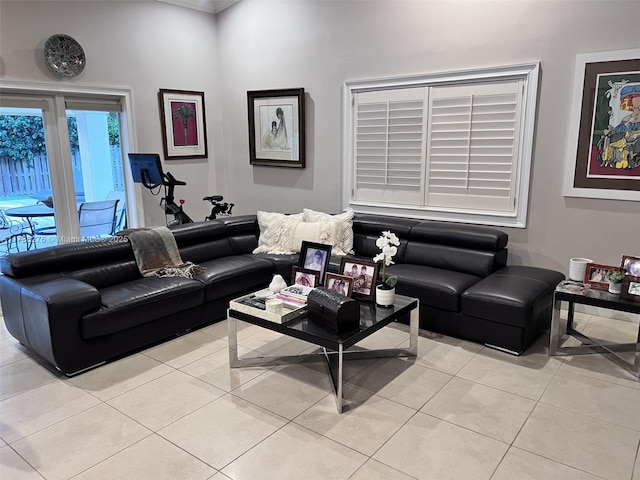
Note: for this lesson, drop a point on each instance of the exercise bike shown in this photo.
(170, 206)
(147, 170)
(218, 208)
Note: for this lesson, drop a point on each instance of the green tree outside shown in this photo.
(22, 136)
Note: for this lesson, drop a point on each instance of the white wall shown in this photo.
(143, 46)
(319, 44)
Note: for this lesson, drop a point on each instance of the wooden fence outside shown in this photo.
(17, 178)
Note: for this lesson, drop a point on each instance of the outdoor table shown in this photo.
(30, 212)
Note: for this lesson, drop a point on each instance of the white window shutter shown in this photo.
(473, 146)
(389, 146)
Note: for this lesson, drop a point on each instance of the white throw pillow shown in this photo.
(345, 223)
(276, 232)
(318, 232)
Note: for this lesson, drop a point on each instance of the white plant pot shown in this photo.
(615, 288)
(385, 298)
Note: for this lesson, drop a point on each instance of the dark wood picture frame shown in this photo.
(308, 251)
(298, 272)
(361, 291)
(630, 288)
(332, 278)
(276, 127)
(597, 275)
(184, 125)
(630, 265)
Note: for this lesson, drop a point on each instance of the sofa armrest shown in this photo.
(51, 313)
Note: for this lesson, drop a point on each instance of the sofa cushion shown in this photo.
(474, 262)
(242, 233)
(513, 295)
(344, 221)
(460, 235)
(432, 286)
(283, 263)
(276, 232)
(67, 256)
(235, 274)
(368, 228)
(106, 275)
(141, 301)
(327, 233)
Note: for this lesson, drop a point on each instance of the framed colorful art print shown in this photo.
(603, 154)
(183, 123)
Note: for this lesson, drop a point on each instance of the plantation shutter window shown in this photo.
(389, 146)
(450, 146)
(473, 146)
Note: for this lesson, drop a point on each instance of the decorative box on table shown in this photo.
(333, 310)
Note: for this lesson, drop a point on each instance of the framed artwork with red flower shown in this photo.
(184, 126)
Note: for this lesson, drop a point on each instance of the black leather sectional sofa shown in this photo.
(79, 305)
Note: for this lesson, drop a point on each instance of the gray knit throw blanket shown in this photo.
(157, 254)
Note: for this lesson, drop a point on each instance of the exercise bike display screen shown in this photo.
(146, 168)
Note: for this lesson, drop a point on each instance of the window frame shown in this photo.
(527, 73)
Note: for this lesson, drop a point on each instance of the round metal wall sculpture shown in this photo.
(64, 56)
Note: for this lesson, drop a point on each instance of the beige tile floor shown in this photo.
(458, 411)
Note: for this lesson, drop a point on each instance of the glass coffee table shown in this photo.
(334, 345)
(561, 329)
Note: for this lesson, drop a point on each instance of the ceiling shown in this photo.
(209, 6)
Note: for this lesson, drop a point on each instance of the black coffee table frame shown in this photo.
(560, 328)
(334, 346)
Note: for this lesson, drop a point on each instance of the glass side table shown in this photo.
(562, 329)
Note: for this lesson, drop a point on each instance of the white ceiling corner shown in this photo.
(209, 6)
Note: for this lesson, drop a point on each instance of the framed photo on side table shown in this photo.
(598, 275)
(630, 265)
(276, 128)
(184, 127)
(315, 256)
(631, 288)
(364, 274)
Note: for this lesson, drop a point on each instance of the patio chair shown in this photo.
(121, 211)
(98, 218)
(11, 231)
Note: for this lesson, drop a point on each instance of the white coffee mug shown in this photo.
(577, 268)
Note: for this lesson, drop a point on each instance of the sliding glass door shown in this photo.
(56, 153)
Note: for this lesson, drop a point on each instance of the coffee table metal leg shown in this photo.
(335, 363)
(339, 386)
(556, 327)
(233, 341)
(414, 323)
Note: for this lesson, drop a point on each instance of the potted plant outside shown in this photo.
(385, 292)
(615, 281)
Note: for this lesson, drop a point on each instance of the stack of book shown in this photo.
(294, 295)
